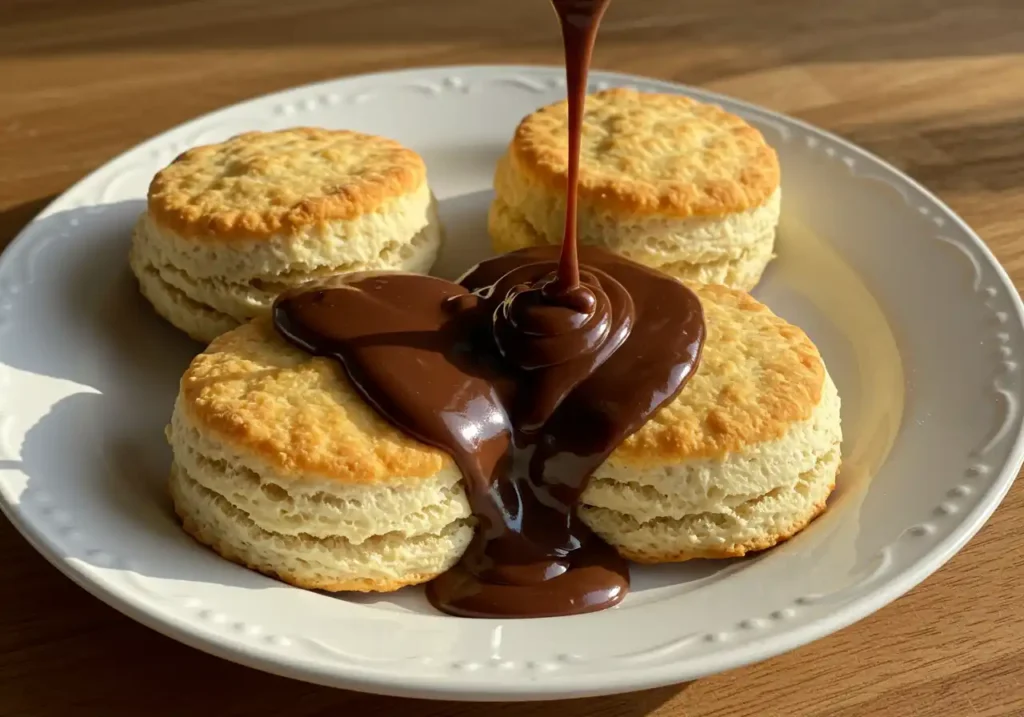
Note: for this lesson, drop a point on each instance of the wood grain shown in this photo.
(934, 86)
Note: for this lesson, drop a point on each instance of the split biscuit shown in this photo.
(672, 183)
(229, 226)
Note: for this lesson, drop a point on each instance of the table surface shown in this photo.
(934, 86)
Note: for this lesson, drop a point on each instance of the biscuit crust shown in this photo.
(651, 154)
(757, 377)
(296, 412)
(260, 184)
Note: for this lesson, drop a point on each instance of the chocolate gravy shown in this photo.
(529, 372)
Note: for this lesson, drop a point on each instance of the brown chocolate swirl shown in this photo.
(539, 325)
(558, 335)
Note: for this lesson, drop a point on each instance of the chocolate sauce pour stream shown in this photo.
(528, 372)
(579, 20)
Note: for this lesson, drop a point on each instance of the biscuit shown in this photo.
(743, 458)
(681, 186)
(279, 464)
(229, 226)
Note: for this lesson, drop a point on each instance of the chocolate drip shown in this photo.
(528, 372)
(528, 402)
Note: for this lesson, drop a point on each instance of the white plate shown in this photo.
(920, 327)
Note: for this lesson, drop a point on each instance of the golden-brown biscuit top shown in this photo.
(646, 153)
(259, 184)
(757, 376)
(296, 412)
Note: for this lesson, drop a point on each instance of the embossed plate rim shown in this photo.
(537, 676)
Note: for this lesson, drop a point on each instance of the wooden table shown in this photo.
(934, 86)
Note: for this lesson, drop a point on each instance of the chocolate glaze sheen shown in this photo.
(529, 372)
